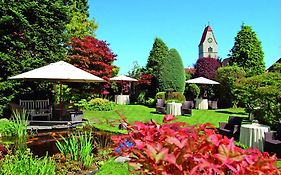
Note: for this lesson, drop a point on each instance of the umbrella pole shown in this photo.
(60, 100)
(55, 94)
(122, 87)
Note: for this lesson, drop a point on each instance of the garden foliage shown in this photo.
(262, 92)
(79, 25)
(171, 96)
(97, 104)
(247, 52)
(172, 74)
(192, 91)
(79, 147)
(7, 128)
(94, 56)
(157, 54)
(206, 67)
(160, 95)
(20, 120)
(23, 163)
(177, 148)
(32, 35)
(227, 76)
(177, 97)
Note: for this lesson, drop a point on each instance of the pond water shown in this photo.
(45, 142)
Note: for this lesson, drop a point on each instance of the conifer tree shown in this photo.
(172, 74)
(247, 52)
(158, 53)
(31, 35)
(80, 25)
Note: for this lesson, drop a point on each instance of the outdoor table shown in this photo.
(173, 108)
(252, 135)
(201, 103)
(122, 99)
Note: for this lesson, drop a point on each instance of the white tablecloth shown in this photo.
(173, 108)
(122, 99)
(252, 135)
(201, 103)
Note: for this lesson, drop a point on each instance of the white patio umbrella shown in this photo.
(59, 71)
(202, 80)
(122, 78)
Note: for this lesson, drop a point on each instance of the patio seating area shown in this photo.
(231, 128)
(37, 108)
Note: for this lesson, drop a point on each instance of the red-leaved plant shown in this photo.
(177, 148)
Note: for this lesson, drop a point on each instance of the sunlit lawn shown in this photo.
(142, 113)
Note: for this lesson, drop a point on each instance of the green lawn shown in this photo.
(105, 119)
(142, 113)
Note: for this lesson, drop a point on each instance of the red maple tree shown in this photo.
(92, 55)
(206, 67)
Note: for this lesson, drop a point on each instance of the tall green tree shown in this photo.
(157, 54)
(247, 52)
(80, 25)
(31, 35)
(172, 74)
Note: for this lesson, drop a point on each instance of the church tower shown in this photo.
(208, 46)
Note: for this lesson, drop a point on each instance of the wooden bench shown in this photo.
(37, 108)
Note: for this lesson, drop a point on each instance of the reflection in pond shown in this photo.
(45, 142)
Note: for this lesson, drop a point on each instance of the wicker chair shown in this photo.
(160, 106)
(186, 107)
(272, 143)
(213, 104)
(231, 128)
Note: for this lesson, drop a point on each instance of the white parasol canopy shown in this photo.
(122, 78)
(59, 71)
(202, 80)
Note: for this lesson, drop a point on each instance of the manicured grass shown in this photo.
(105, 119)
(113, 168)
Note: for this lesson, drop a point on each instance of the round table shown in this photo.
(122, 99)
(252, 135)
(173, 108)
(201, 103)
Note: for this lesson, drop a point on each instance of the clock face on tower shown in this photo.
(210, 40)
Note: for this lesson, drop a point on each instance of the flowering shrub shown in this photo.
(177, 148)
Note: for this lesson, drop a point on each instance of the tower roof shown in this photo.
(207, 29)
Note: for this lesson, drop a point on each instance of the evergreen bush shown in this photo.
(172, 74)
(177, 97)
(247, 52)
(97, 104)
(160, 95)
(192, 91)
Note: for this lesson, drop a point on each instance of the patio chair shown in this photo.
(231, 128)
(186, 107)
(160, 106)
(213, 104)
(272, 143)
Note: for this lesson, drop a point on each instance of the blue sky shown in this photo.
(130, 26)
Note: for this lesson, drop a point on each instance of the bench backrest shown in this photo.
(35, 104)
